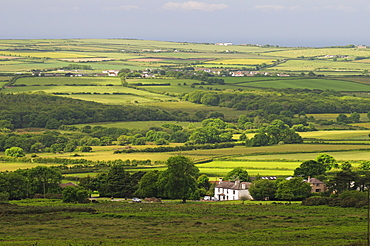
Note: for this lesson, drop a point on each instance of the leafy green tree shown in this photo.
(6, 124)
(44, 179)
(263, 189)
(260, 139)
(217, 123)
(346, 166)
(328, 161)
(85, 149)
(148, 185)
(179, 180)
(162, 141)
(237, 173)
(355, 117)
(310, 168)
(207, 134)
(117, 182)
(37, 147)
(203, 183)
(14, 185)
(74, 194)
(293, 189)
(343, 118)
(15, 152)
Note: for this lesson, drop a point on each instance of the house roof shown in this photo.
(314, 181)
(233, 185)
(67, 184)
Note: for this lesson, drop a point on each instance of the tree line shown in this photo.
(274, 101)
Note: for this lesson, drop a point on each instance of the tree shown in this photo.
(74, 194)
(293, 189)
(343, 118)
(179, 180)
(263, 189)
(310, 168)
(203, 184)
(15, 152)
(355, 117)
(237, 173)
(328, 161)
(148, 185)
(117, 181)
(44, 179)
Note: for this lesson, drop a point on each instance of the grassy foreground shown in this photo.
(50, 222)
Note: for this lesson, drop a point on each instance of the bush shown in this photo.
(75, 194)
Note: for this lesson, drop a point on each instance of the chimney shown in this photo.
(308, 179)
(243, 186)
(219, 180)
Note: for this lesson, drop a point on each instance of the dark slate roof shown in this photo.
(233, 185)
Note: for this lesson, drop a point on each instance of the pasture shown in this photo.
(341, 156)
(319, 52)
(320, 66)
(62, 81)
(240, 61)
(321, 84)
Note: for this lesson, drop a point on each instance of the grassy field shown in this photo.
(348, 134)
(240, 61)
(317, 52)
(61, 81)
(50, 222)
(320, 65)
(321, 84)
(340, 156)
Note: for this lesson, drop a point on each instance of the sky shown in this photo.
(314, 23)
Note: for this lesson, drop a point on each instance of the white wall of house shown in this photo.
(222, 194)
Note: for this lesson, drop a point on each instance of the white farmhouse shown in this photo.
(226, 190)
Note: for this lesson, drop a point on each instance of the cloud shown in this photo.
(276, 7)
(122, 8)
(192, 5)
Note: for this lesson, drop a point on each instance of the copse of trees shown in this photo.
(53, 111)
(274, 133)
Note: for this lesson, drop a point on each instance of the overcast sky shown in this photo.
(277, 22)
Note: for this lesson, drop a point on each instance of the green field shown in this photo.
(340, 156)
(321, 84)
(317, 52)
(61, 81)
(348, 134)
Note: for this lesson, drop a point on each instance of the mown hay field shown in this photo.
(345, 134)
(294, 53)
(319, 66)
(241, 61)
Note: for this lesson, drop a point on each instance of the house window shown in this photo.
(234, 192)
(318, 190)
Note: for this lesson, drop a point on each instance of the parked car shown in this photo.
(135, 199)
